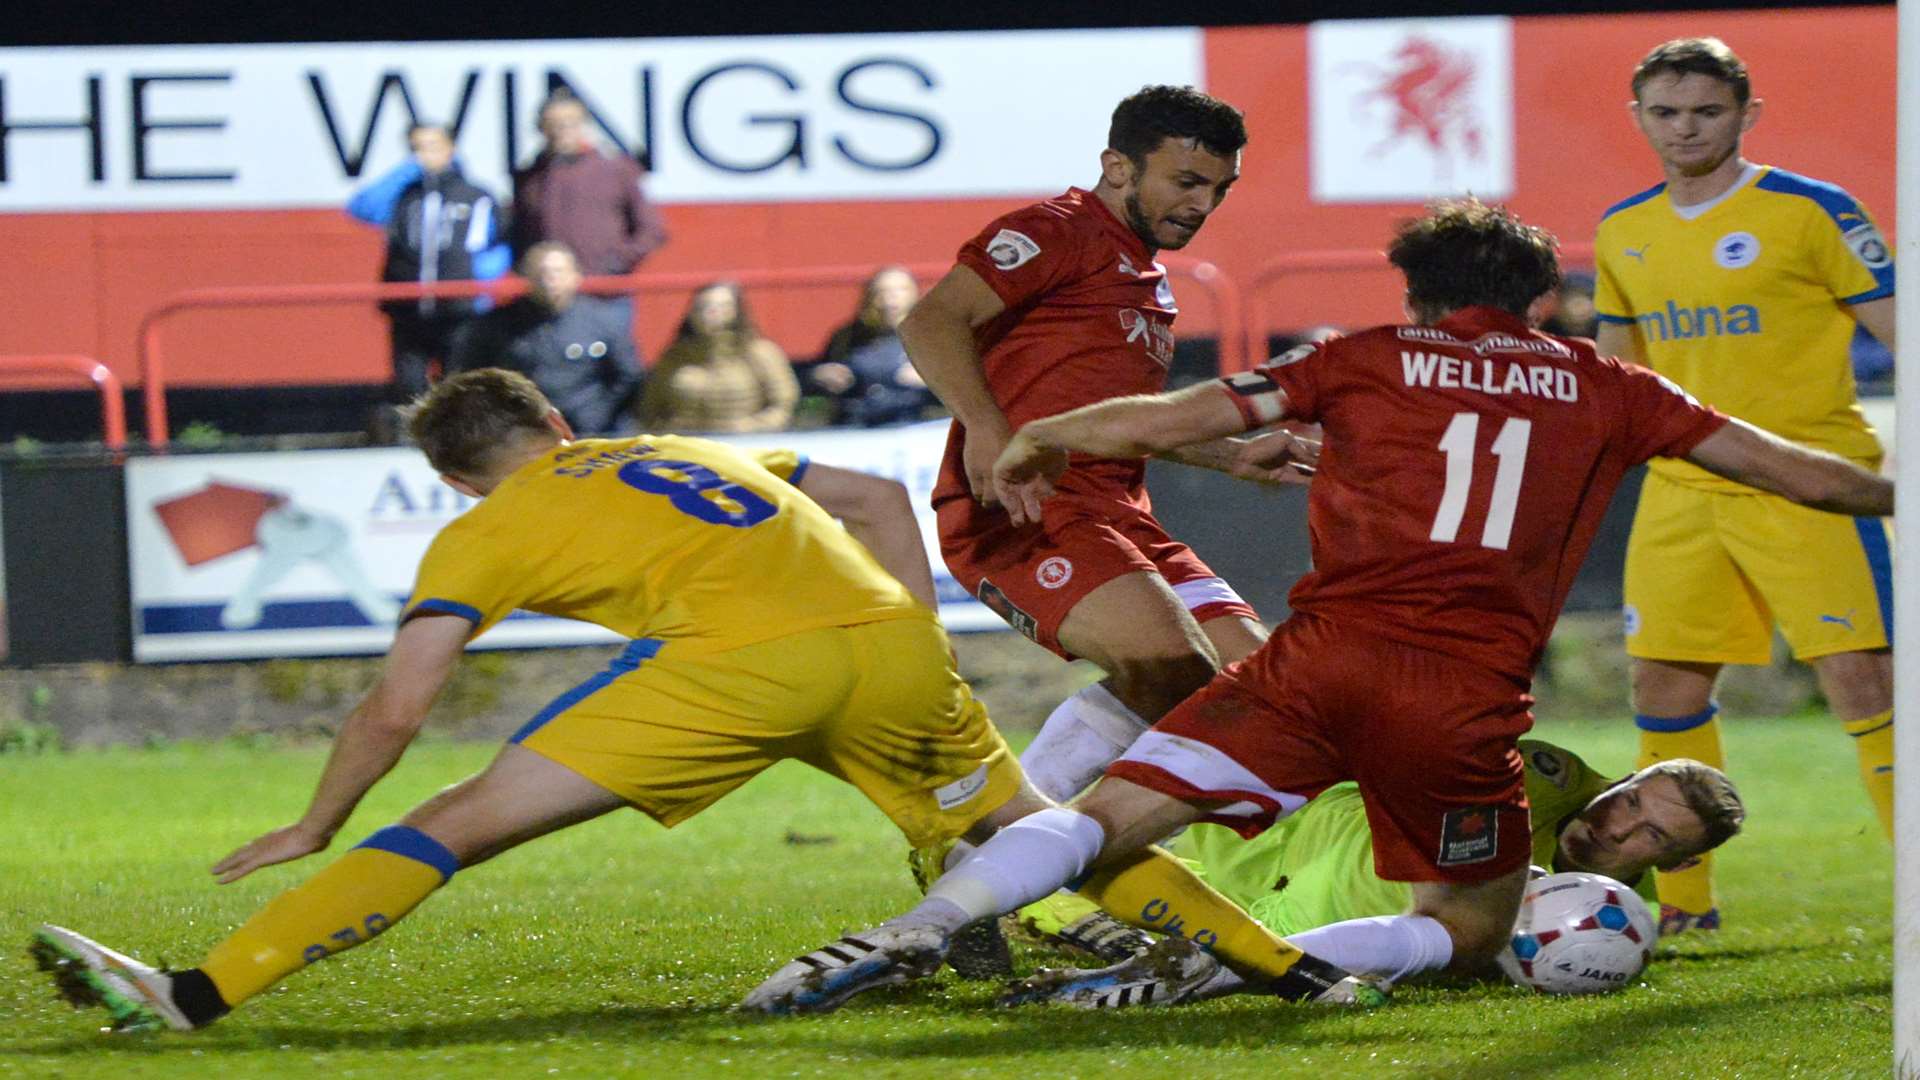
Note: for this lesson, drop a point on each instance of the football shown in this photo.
(1579, 934)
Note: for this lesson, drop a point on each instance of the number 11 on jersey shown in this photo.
(1510, 446)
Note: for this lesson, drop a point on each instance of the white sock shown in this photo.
(1082, 736)
(1023, 862)
(1388, 946)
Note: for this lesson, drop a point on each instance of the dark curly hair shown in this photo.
(1155, 114)
(1464, 253)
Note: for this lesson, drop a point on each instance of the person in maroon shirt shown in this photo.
(1467, 463)
(578, 195)
(1051, 307)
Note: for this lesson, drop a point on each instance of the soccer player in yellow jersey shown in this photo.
(759, 631)
(1743, 283)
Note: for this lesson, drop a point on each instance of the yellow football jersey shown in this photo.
(1743, 303)
(685, 541)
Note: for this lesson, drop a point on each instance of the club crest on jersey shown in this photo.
(1548, 764)
(1053, 572)
(1736, 249)
(1868, 247)
(1009, 249)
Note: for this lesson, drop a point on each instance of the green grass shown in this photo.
(616, 948)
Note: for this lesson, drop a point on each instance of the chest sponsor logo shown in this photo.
(1736, 250)
(1155, 337)
(1010, 249)
(1867, 246)
(1676, 323)
(1053, 573)
(1470, 834)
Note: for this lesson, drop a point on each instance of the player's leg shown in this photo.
(1039, 853)
(1859, 690)
(1689, 610)
(1457, 927)
(1829, 579)
(520, 796)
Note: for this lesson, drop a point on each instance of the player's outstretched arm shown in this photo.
(1739, 451)
(423, 656)
(1119, 427)
(878, 512)
(938, 335)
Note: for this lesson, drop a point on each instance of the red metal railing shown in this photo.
(1223, 294)
(17, 370)
(1259, 324)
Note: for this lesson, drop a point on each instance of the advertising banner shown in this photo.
(1409, 110)
(765, 119)
(313, 553)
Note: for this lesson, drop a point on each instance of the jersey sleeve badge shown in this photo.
(1010, 249)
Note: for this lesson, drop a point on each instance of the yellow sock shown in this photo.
(365, 891)
(1156, 891)
(1689, 887)
(1873, 741)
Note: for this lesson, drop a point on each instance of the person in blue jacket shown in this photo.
(440, 227)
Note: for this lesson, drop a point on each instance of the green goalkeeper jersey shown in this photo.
(1316, 865)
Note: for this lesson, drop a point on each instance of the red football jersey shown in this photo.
(1089, 316)
(1466, 468)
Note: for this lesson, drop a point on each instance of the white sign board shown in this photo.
(762, 119)
(1410, 110)
(313, 553)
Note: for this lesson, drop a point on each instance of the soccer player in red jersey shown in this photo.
(1467, 464)
(1055, 306)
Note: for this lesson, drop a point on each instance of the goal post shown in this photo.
(1906, 906)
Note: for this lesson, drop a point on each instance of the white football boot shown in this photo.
(138, 996)
(823, 979)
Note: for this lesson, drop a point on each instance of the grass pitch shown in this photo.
(616, 949)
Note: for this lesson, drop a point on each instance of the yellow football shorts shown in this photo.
(878, 705)
(1709, 575)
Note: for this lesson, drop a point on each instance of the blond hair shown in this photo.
(1708, 793)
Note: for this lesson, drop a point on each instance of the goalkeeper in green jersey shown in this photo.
(1314, 868)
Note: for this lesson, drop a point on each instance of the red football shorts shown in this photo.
(1033, 576)
(1430, 739)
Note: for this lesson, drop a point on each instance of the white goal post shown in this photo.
(1906, 890)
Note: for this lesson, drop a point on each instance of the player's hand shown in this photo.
(982, 450)
(1278, 457)
(1024, 475)
(281, 845)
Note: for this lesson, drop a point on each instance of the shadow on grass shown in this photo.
(1572, 1037)
(613, 1022)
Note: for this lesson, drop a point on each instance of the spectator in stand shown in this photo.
(864, 370)
(440, 227)
(720, 374)
(578, 195)
(577, 349)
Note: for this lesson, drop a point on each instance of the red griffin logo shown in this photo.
(1427, 90)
